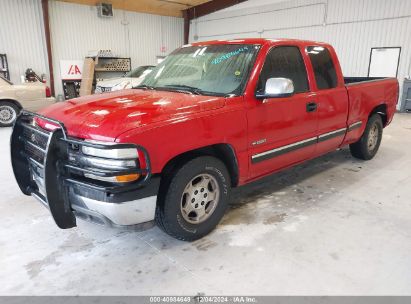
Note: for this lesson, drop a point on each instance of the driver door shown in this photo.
(282, 131)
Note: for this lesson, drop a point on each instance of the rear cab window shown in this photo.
(284, 62)
(323, 66)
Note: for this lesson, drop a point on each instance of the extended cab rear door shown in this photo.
(282, 131)
(330, 96)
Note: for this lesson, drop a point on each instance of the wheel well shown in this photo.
(382, 111)
(15, 102)
(223, 152)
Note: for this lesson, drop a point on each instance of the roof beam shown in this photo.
(210, 7)
(157, 7)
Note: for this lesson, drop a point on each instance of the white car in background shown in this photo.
(129, 80)
(31, 96)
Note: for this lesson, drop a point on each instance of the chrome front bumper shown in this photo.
(117, 214)
(113, 213)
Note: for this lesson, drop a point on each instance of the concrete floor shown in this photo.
(335, 226)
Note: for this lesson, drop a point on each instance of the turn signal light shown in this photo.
(127, 178)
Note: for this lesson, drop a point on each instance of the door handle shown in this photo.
(311, 107)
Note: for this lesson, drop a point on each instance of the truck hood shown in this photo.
(106, 116)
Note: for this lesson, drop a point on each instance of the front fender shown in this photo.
(176, 137)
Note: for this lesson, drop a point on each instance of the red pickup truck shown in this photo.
(212, 116)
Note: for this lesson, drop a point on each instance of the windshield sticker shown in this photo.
(229, 55)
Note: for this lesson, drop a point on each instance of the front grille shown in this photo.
(35, 149)
(35, 157)
(35, 142)
(34, 153)
(37, 138)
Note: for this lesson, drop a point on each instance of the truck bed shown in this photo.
(355, 80)
(365, 94)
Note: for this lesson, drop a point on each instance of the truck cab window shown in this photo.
(324, 69)
(285, 62)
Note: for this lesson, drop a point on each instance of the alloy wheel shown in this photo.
(200, 198)
(7, 114)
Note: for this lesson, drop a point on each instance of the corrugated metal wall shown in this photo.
(353, 27)
(22, 38)
(76, 29)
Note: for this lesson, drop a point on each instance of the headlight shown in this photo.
(121, 86)
(110, 159)
(110, 164)
(122, 153)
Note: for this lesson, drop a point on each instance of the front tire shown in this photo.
(367, 146)
(194, 199)
(8, 113)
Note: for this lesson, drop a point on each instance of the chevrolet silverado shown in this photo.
(212, 116)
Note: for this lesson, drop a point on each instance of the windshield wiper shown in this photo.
(144, 86)
(198, 91)
(185, 88)
(181, 88)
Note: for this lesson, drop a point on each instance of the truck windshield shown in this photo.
(206, 70)
(139, 72)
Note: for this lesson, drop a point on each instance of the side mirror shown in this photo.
(277, 87)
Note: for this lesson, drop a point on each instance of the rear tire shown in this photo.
(367, 146)
(194, 199)
(8, 113)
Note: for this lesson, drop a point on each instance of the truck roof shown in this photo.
(260, 41)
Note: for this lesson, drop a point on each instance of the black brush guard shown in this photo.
(42, 157)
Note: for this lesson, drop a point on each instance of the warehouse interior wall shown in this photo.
(76, 30)
(353, 27)
(22, 37)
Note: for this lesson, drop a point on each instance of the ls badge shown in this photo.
(259, 142)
